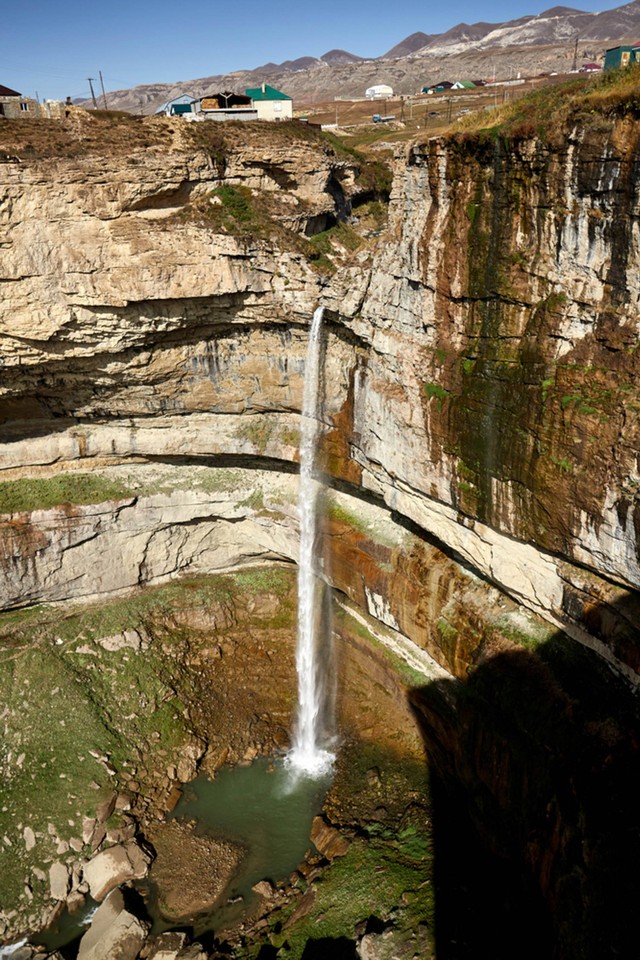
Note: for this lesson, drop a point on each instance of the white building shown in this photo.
(380, 91)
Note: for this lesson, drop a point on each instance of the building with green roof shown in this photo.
(270, 103)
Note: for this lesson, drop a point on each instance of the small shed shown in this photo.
(270, 103)
(622, 56)
(440, 87)
(227, 105)
(224, 100)
(380, 91)
(178, 106)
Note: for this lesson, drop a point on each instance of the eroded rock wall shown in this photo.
(497, 401)
(480, 424)
(479, 372)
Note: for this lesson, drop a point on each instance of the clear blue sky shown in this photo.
(51, 47)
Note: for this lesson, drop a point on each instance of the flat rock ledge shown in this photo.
(191, 872)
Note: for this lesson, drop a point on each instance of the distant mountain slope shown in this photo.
(340, 56)
(528, 45)
(407, 46)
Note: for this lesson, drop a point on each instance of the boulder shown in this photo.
(188, 762)
(130, 638)
(29, 838)
(106, 808)
(168, 946)
(115, 866)
(329, 842)
(114, 934)
(58, 880)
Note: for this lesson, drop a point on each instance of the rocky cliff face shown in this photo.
(497, 403)
(480, 400)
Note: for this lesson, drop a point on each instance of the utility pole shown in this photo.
(104, 96)
(575, 56)
(93, 96)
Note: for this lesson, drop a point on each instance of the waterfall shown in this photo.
(307, 753)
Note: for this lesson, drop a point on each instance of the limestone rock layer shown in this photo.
(479, 435)
(479, 370)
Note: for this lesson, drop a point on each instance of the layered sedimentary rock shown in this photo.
(479, 377)
(480, 410)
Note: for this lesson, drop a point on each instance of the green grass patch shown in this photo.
(386, 534)
(371, 880)
(50, 724)
(435, 390)
(563, 464)
(257, 432)
(41, 493)
(333, 246)
(524, 630)
(546, 113)
(468, 364)
(445, 629)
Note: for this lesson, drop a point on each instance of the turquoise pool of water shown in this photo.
(266, 807)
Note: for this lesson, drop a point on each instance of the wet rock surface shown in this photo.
(115, 933)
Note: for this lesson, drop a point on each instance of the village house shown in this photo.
(178, 106)
(438, 87)
(12, 103)
(269, 103)
(14, 106)
(257, 103)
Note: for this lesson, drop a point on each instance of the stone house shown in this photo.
(13, 104)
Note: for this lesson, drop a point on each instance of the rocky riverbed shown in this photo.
(137, 713)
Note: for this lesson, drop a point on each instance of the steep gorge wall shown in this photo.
(479, 374)
(497, 405)
(481, 430)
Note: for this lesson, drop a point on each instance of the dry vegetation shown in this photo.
(115, 133)
(548, 112)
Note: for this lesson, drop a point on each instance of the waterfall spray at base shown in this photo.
(308, 755)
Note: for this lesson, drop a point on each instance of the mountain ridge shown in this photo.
(544, 42)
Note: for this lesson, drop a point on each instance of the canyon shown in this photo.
(478, 446)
